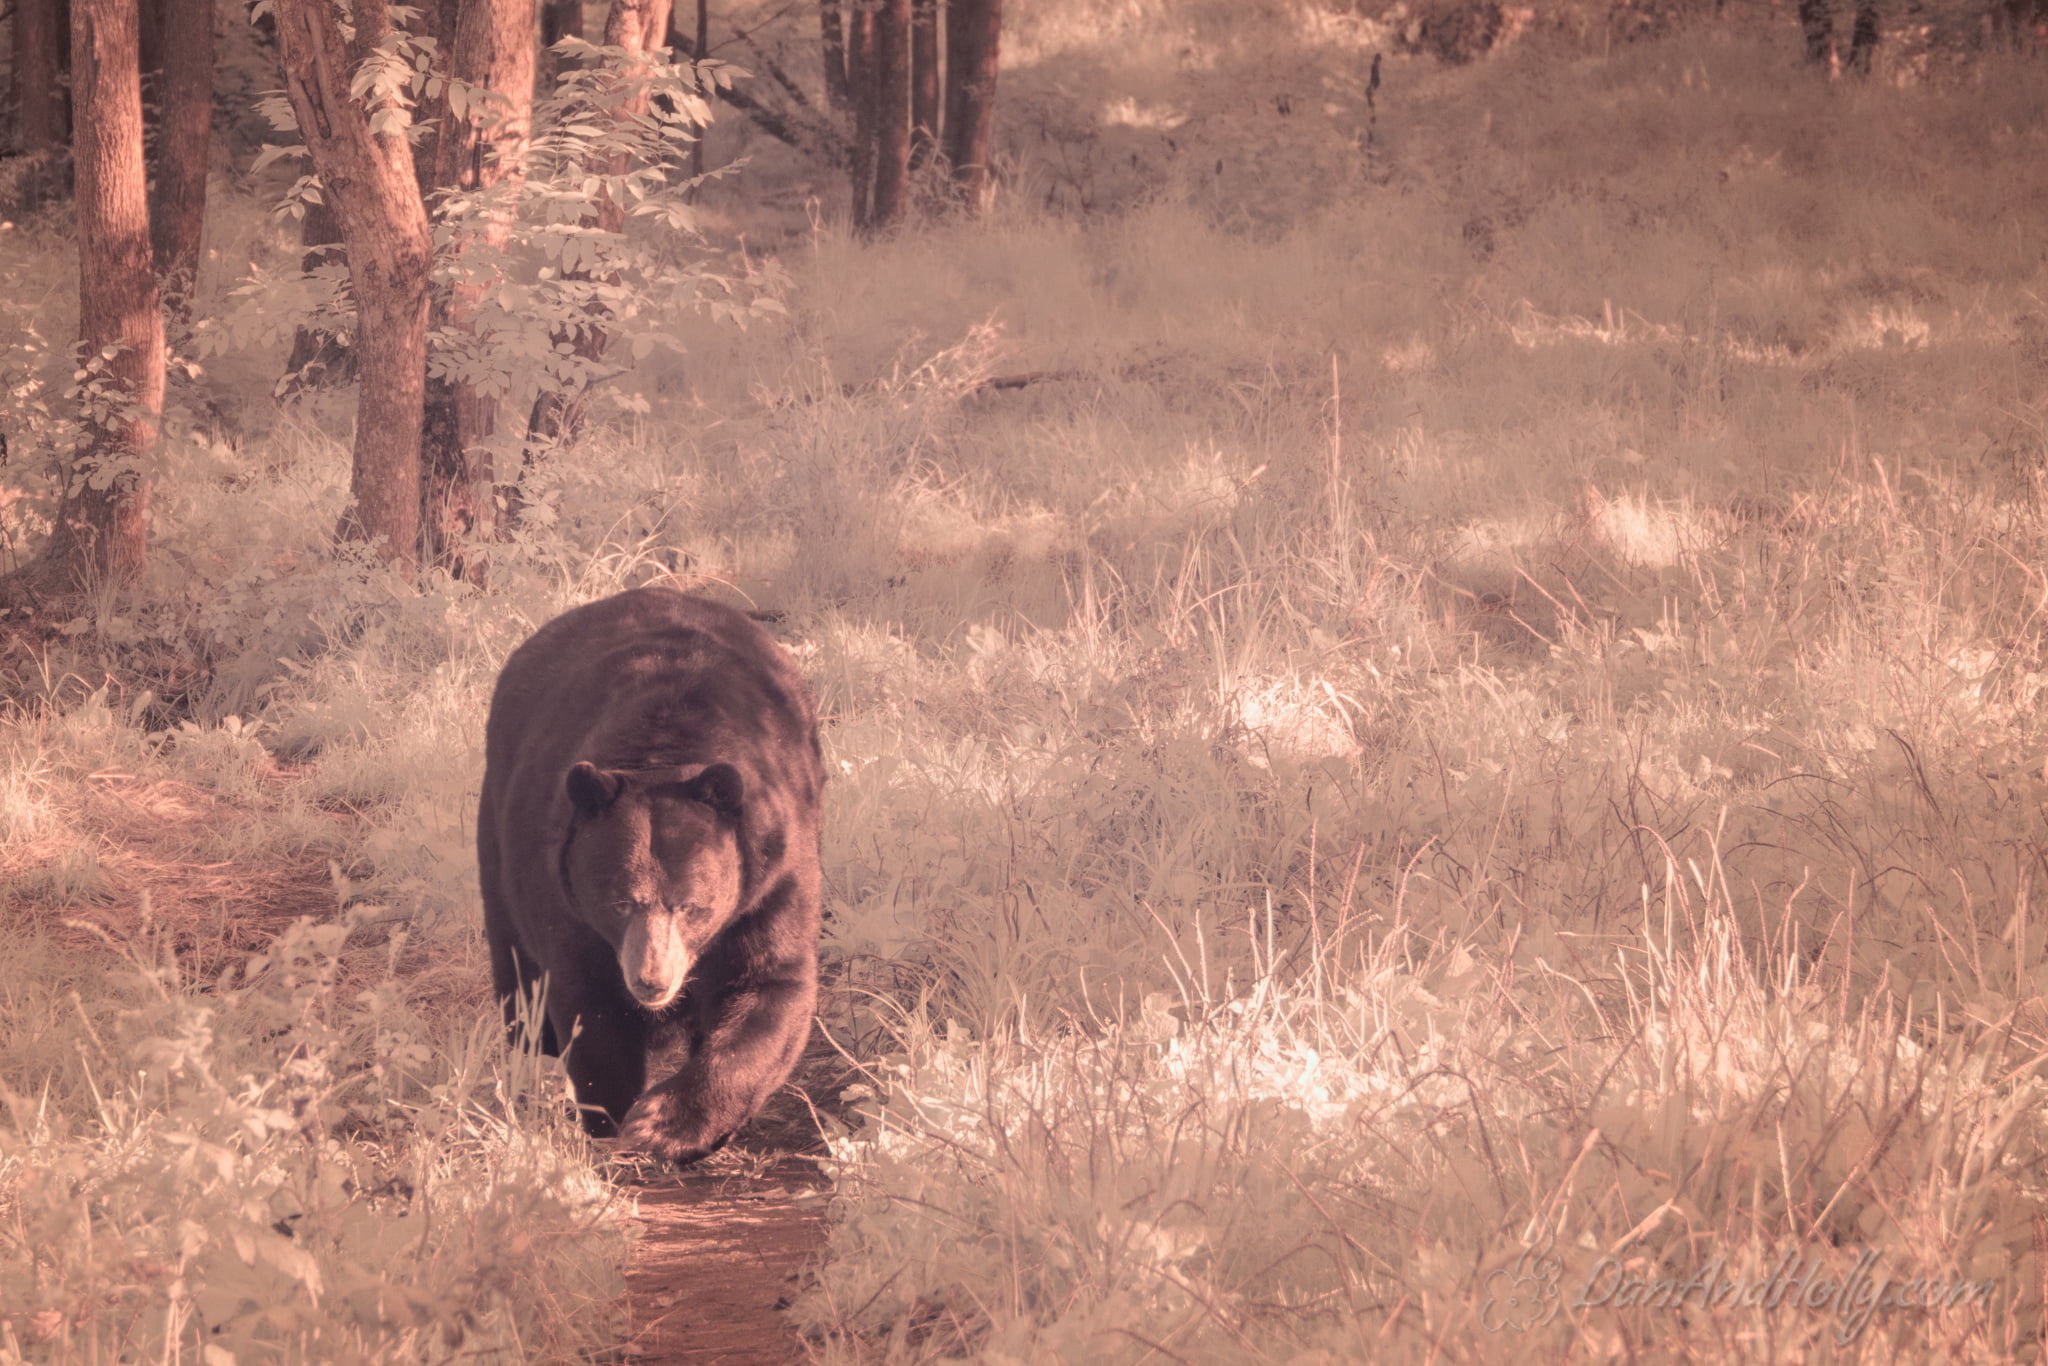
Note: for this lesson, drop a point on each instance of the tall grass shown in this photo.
(298, 1166)
(1366, 1158)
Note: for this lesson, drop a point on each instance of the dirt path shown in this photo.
(720, 1257)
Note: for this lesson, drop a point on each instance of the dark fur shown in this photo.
(641, 685)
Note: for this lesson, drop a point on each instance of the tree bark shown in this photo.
(892, 112)
(1817, 24)
(924, 81)
(150, 36)
(697, 53)
(318, 358)
(973, 41)
(559, 19)
(491, 49)
(832, 43)
(184, 144)
(638, 26)
(1863, 37)
(38, 61)
(102, 522)
(860, 83)
(436, 22)
(369, 181)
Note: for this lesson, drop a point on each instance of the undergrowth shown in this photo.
(1297, 1167)
(293, 1164)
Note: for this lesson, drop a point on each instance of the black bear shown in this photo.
(647, 843)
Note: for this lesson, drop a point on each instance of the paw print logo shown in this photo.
(1524, 1294)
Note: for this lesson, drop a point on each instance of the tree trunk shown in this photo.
(2020, 23)
(697, 53)
(436, 22)
(369, 181)
(638, 26)
(102, 522)
(1817, 23)
(319, 358)
(559, 19)
(1863, 38)
(832, 42)
(184, 144)
(38, 61)
(924, 81)
(860, 83)
(150, 36)
(973, 40)
(892, 112)
(492, 49)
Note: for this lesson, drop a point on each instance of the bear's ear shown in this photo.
(718, 787)
(592, 789)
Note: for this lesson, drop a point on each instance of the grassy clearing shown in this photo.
(1477, 730)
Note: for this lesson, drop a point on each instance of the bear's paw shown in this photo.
(656, 1126)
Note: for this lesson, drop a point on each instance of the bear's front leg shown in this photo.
(606, 1060)
(757, 1029)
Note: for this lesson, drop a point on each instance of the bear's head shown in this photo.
(653, 865)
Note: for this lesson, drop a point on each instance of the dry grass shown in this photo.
(154, 840)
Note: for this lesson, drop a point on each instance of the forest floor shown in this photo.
(719, 1257)
(722, 1246)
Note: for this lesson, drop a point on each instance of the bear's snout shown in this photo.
(654, 958)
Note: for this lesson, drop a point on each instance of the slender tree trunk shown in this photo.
(102, 523)
(2021, 23)
(973, 42)
(1863, 38)
(184, 144)
(638, 26)
(370, 183)
(892, 112)
(1817, 24)
(319, 357)
(924, 81)
(832, 42)
(697, 53)
(38, 61)
(492, 49)
(430, 116)
(860, 82)
(958, 32)
(559, 19)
